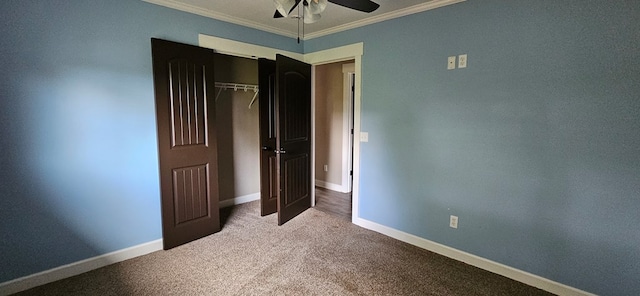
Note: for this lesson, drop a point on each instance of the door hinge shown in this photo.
(352, 131)
(351, 173)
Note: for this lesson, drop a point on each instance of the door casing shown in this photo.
(343, 53)
(348, 75)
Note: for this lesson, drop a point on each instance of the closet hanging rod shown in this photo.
(238, 86)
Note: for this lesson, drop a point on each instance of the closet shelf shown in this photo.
(236, 87)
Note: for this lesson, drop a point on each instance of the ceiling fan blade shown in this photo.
(294, 7)
(282, 7)
(360, 5)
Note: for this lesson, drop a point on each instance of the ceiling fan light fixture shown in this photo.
(284, 6)
(316, 6)
(310, 18)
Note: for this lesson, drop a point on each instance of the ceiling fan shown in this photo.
(313, 8)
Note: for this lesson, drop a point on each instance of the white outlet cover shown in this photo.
(462, 61)
(451, 63)
(453, 221)
(364, 137)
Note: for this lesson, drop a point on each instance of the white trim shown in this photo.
(76, 268)
(347, 116)
(239, 200)
(313, 135)
(345, 53)
(262, 27)
(222, 17)
(486, 264)
(383, 17)
(332, 186)
(337, 54)
(242, 49)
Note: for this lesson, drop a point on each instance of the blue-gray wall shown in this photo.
(535, 146)
(78, 152)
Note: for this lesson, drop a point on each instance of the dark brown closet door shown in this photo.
(268, 160)
(293, 138)
(185, 115)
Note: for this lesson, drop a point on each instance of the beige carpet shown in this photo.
(314, 254)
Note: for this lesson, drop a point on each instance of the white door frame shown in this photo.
(343, 53)
(348, 73)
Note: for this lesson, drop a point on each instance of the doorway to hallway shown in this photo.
(335, 203)
(334, 100)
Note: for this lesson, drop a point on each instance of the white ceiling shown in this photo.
(258, 14)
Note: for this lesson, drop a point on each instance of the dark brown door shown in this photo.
(293, 137)
(185, 115)
(268, 160)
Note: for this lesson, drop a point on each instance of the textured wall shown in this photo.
(79, 157)
(535, 146)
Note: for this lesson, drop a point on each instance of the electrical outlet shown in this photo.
(462, 61)
(364, 137)
(326, 167)
(451, 63)
(453, 221)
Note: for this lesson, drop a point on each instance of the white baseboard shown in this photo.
(76, 268)
(492, 266)
(239, 200)
(332, 186)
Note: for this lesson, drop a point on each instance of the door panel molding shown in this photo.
(295, 172)
(187, 151)
(191, 196)
(293, 141)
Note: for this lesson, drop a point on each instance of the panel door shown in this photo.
(185, 115)
(268, 160)
(293, 138)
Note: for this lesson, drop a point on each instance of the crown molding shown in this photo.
(220, 16)
(243, 22)
(383, 17)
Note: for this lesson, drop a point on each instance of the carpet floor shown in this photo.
(313, 254)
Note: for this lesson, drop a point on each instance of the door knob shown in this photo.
(281, 151)
(266, 148)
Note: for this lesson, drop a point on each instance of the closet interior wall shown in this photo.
(238, 129)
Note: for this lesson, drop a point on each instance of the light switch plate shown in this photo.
(462, 61)
(453, 221)
(451, 63)
(364, 137)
